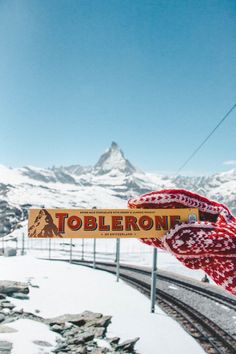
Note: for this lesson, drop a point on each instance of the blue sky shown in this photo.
(154, 76)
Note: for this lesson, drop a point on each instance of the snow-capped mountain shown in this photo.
(114, 160)
(108, 184)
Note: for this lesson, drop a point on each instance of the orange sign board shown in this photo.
(106, 223)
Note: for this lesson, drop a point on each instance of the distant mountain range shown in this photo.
(108, 184)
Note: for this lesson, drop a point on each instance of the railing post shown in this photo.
(71, 250)
(117, 259)
(23, 244)
(82, 256)
(154, 280)
(94, 253)
(3, 245)
(49, 248)
(16, 245)
(94, 247)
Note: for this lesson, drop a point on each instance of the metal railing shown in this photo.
(94, 250)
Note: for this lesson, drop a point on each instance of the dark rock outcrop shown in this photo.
(9, 287)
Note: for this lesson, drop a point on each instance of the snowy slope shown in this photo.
(109, 183)
(130, 310)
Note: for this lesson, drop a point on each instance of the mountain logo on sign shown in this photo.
(44, 226)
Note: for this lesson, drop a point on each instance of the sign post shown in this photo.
(117, 259)
(154, 280)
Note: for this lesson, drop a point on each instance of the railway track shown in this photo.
(210, 335)
(205, 291)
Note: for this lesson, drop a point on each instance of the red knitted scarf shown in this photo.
(208, 244)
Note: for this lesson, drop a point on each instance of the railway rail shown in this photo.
(210, 335)
(205, 291)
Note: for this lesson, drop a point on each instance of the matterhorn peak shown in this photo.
(114, 159)
(114, 146)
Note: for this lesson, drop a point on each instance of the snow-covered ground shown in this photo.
(26, 333)
(67, 288)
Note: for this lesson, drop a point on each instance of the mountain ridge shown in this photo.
(107, 184)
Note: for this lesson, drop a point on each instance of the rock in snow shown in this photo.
(9, 287)
(5, 347)
(78, 333)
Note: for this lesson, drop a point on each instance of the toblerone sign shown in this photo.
(106, 223)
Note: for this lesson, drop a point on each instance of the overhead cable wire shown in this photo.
(207, 138)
